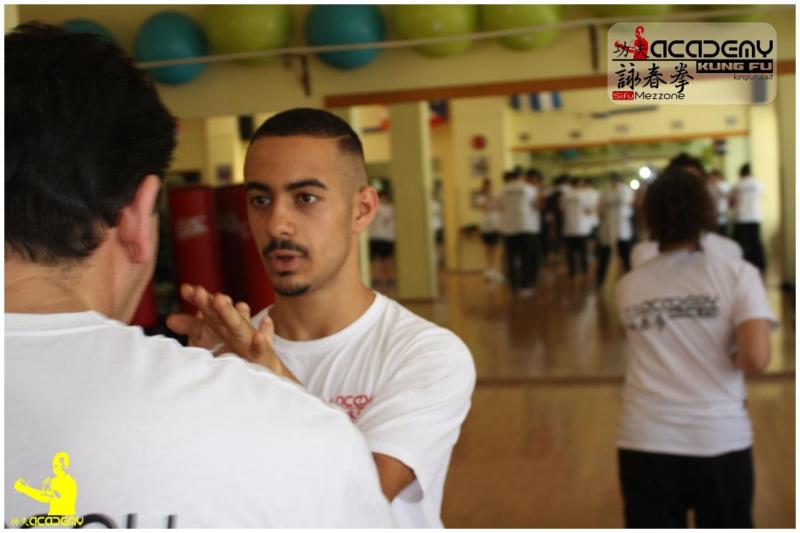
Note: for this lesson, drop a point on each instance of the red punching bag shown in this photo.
(147, 312)
(232, 220)
(260, 292)
(195, 241)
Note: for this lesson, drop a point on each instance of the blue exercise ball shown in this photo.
(88, 26)
(345, 24)
(171, 35)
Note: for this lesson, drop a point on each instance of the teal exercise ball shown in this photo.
(88, 26)
(345, 24)
(171, 35)
(248, 28)
(506, 17)
(424, 21)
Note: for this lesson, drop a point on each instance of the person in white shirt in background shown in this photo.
(593, 195)
(616, 226)
(747, 209)
(153, 434)
(577, 205)
(381, 242)
(490, 229)
(695, 324)
(536, 180)
(519, 224)
(713, 243)
(437, 223)
(405, 382)
(721, 195)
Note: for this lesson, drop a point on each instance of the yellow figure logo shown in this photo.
(61, 491)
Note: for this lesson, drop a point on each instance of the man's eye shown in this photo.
(259, 201)
(306, 198)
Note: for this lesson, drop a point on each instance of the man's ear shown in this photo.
(365, 207)
(136, 226)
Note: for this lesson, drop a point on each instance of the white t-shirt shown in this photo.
(382, 227)
(712, 243)
(518, 212)
(593, 198)
(617, 207)
(748, 200)
(405, 382)
(683, 394)
(491, 221)
(720, 192)
(577, 208)
(157, 430)
(436, 215)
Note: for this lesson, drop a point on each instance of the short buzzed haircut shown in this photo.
(310, 122)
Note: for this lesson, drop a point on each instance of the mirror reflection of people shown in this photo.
(695, 324)
(577, 207)
(747, 210)
(60, 491)
(381, 242)
(489, 228)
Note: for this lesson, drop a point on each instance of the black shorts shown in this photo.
(491, 238)
(659, 489)
(381, 248)
(439, 236)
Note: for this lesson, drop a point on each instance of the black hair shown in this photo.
(745, 170)
(678, 207)
(84, 126)
(533, 172)
(684, 160)
(313, 123)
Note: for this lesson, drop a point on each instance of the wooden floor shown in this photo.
(537, 449)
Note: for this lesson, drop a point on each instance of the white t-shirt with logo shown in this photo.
(518, 212)
(683, 393)
(748, 200)
(156, 430)
(407, 385)
(712, 243)
(617, 206)
(577, 207)
(382, 227)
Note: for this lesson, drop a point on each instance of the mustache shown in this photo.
(283, 245)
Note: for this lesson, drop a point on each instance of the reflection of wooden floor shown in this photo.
(537, 449)
(542, 455)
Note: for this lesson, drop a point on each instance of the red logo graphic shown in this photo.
(353, 404)
(622, 95)
(638, 48)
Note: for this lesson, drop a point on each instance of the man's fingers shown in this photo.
(243, 310)
(267, 328)
(184, 324)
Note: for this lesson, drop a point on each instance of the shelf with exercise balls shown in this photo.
(171, 35)
(426, 21)
(345, 24)
(233, 29)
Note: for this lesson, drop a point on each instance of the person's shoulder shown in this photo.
(195, 375)
(723, 246)
(415, 337)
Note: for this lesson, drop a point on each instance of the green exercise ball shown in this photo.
(757, 16)
(248, 28)
(506, 17)
(628, 10)
(424, 21)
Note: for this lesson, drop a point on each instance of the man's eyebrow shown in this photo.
(310, 182)
(250, 185)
